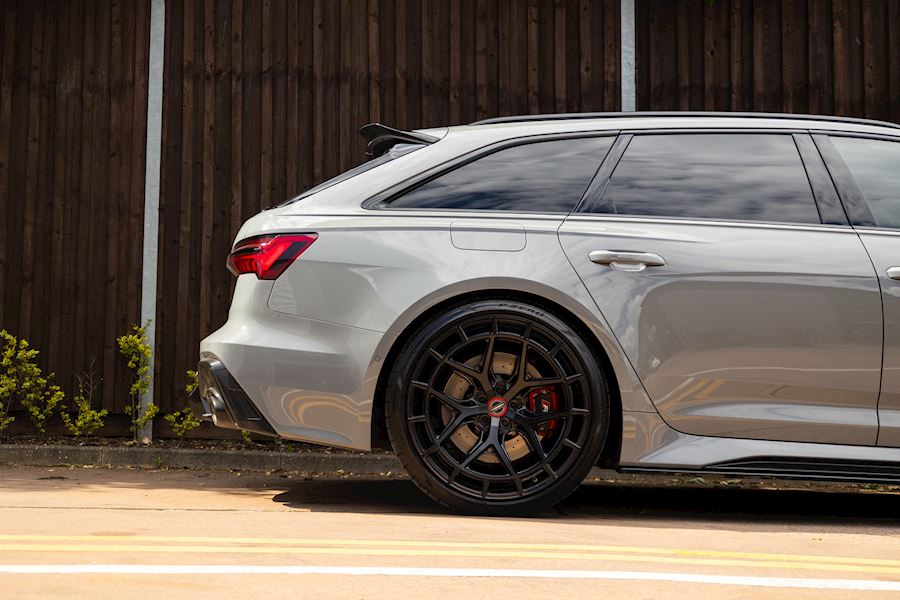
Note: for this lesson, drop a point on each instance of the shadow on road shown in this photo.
(776, 509)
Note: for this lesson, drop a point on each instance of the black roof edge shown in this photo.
(640, 114)
(380, 138)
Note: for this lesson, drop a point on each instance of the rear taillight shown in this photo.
(268, 255)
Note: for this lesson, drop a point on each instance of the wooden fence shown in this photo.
(263, 98)
(73, 97)
(837, 57)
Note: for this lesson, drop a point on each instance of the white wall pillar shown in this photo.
(151, 189)
(626, 66)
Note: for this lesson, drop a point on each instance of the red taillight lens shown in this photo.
(268, 255)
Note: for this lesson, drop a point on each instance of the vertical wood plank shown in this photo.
(344, 89)
(116, 198)
(612, 35)
(482, 73)
(875, 59)
(820, 57)
(7, 47)
(55, 341)
(374, 49)
(534, 64)
(401, 98)
(795, 32)
(893, 19)
(32, 176)
(183, 327)
(208, 183)
(265, 117)
(559, 56)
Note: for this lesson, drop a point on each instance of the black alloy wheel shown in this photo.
(497, 407)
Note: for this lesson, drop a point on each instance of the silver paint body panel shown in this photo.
(309, 347)
(884, 249)
(747, 331)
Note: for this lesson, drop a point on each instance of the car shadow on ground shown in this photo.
(648, 505)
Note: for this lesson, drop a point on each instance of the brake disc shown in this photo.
(467, 436)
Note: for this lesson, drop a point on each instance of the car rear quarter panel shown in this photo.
(375, 272)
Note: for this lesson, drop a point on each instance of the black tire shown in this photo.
(546, 424)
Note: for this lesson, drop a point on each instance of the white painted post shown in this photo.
(151, 191)
(626, 67)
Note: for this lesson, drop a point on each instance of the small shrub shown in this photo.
(135, 348)
(245, 435)
(87, 421)
(182, 421)
(7, 382)
(193, 382)
(140, 418)
(21, 378)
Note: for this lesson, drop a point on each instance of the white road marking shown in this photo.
(776, 582)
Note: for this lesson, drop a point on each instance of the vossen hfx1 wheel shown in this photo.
(497, 407)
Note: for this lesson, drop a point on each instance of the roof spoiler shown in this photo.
(380, 138)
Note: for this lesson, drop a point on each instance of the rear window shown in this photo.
(395, 152)
(875, 165)
(749, 177)
(546, 176)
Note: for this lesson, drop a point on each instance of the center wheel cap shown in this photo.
(497, 407)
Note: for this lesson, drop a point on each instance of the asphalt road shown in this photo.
(118, 533)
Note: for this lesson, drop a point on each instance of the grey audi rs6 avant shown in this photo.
(508, 303)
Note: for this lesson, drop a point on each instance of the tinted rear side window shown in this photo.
(539, 177)
(750, 177)
(875, 165)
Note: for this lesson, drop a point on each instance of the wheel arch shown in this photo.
(609, 455)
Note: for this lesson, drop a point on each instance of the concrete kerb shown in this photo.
(191, 458)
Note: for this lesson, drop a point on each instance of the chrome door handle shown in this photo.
(627, 261)
(893, 272)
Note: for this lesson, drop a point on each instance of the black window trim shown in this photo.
(382, 200)
(597, 188)
(848, 189)
(828, 203)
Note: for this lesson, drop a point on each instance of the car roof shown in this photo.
(513, 126)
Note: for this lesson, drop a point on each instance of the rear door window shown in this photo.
(747, 177)
(548, 176)
(875, 166)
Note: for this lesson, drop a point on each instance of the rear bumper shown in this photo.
(308, 380)
(225, 402)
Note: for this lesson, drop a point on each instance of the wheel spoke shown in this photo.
(476, 377)
(488, 360)
(454, 424)
(454, 474)
(526, 384)
(518, 373)
(533, 442)
(570, 444)
(451, 402)
(548, 416)
(549, 470)
(503, 456)
(475, 452)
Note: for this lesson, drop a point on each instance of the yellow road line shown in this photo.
(462, 553)
(567, 548)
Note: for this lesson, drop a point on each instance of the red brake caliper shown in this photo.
(544, 400)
